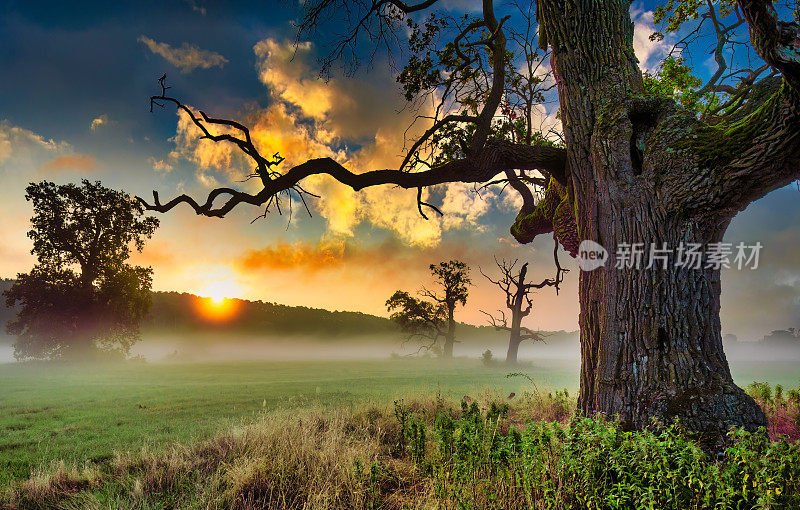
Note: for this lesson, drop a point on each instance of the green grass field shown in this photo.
(78, 413)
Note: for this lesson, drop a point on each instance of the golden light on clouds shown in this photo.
(311, 118)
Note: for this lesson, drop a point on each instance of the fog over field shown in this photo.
(225, 346)
(182, 327)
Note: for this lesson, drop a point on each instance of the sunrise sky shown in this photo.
(74, 89)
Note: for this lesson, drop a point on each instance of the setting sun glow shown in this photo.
(218, 304)
(217, 309)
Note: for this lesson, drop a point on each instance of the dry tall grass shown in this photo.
(313, 458)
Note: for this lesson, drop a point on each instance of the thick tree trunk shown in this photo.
(651, 344)
(513, 349)
(650, 338)
(516, 327)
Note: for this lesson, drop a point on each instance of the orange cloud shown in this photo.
(81, 163)
(341, 254)
(284, 255)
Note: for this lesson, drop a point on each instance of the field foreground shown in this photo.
(323, 435)
(88, 412)
(431, 453)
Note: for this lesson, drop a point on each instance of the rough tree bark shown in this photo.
(635, 168)
(641, 170)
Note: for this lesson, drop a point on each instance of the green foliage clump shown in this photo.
(482, 461)
(674, 79)
(675, 13)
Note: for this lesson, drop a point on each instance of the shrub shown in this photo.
(783, 411)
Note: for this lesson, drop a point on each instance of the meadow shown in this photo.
(87, 412)
(77, 413)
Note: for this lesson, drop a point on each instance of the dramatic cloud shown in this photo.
(98, 122)
(463, 205)
(355, 122)
(80, 163)
(187, 58)
(344, 107)
(311, 119)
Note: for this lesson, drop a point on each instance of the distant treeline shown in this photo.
(178, 312)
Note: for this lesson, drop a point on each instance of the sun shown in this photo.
(220, 290)
(217, 302)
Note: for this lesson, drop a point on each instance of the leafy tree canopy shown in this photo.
(432, 319)
(81, 294)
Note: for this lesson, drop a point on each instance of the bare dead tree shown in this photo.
(518, 293)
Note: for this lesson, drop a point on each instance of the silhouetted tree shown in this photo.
(67, 312)
(419, 319)
(517, 292)
(434, 319)
(638, 164)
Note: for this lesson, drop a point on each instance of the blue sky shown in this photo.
(76, 78)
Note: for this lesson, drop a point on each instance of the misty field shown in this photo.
(87, 413)
(50, 411)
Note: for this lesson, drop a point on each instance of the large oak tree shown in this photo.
(636, 165)
(82, 295)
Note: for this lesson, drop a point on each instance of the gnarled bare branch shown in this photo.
(496, 156)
